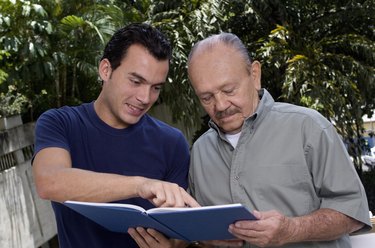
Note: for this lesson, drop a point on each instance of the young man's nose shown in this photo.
(144, 95)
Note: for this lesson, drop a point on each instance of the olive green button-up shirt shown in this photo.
(288, 158)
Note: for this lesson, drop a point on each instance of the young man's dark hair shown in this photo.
(137, 33)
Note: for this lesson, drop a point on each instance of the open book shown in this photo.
(190, 224)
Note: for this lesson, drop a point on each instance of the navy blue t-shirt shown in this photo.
(149, 148)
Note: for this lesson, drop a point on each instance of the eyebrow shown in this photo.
(134, 74)
(225, 85)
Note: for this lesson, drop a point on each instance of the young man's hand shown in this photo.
(165, 194)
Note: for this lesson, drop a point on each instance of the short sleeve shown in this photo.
(336, 182)
(50, 131)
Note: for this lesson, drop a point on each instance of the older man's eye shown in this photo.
(229, 91)
(206, 99)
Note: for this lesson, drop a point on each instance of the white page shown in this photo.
(172, 209)
(113, 205)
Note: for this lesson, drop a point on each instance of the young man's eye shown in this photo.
(134, 81)
(158, 87)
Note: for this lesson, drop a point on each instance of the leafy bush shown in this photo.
(12, 102)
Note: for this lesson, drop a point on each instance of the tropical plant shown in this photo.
(324, 54)
(55, 48)
(12, 102)
(80, 37)
(3, 74)
(309, 51)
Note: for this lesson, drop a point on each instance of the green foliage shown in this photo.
(12, 102)
(3, 74)
(185, 22)
(318, 54)
(55, 48)
(322, 54)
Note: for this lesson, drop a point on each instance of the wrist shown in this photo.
(138, 182)
(295, 230)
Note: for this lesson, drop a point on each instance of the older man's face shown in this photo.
(226, 86)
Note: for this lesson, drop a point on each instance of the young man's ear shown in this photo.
(256, 73)
(105, 70)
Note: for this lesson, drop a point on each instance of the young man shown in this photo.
(110, 150)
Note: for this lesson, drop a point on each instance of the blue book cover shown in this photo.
(204, 223)
(190, 224)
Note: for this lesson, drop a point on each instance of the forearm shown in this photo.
(82, 185)
(323, 224)
(56, 180)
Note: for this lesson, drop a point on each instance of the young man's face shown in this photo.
(226, 86)
(130, 90)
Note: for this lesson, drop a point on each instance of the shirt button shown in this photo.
(236, 177)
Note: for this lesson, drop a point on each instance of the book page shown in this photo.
(111, 205)
(188, 209)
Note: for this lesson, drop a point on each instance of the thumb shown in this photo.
(257, 214)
